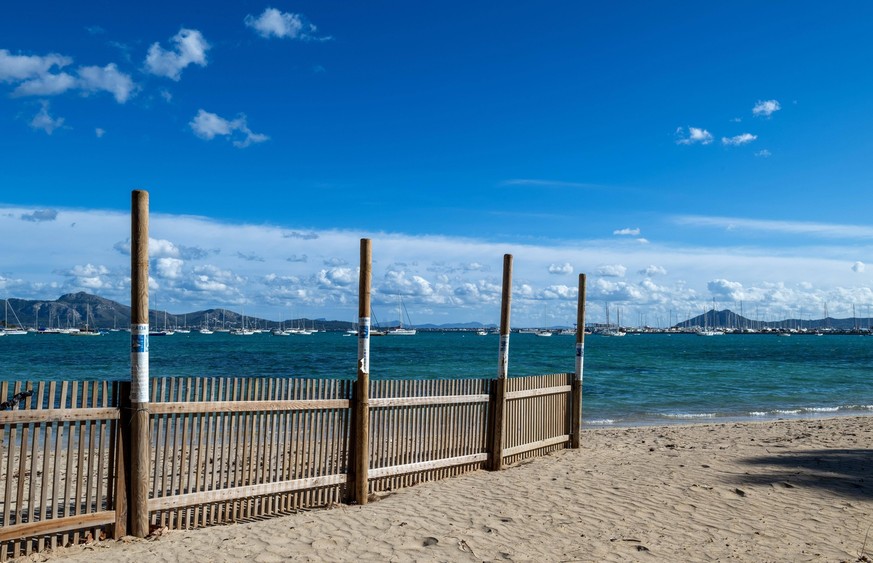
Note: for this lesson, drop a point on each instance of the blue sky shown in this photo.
(677, 153)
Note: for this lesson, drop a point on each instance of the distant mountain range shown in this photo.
(729, 319)
(75, 310)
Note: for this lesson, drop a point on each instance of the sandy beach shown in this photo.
(797, 490)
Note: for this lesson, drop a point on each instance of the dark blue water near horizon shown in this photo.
(635, 380)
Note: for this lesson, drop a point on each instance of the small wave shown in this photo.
(689, 415)
(603, 422)
(758, 413)
(821, 409)
(787, 411)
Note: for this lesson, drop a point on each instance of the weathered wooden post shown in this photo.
(576, 394)
(497, 403)
(137, 443)
(360, 447)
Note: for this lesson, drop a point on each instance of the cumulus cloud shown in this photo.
(695, 135)
(89, 276)
(44, 121)
(170, 268)
(208, 125)
(284, 25)
(337, 277)
(738, 140)
(40, 215)
(189, 48)
(17, 68)
(47, 84)
(399, 282)
(858, 267)
(42, 76)
(108, 79)
(723, 289)
(612, 270)
(766, 108)
(561, 269)
(626, 232)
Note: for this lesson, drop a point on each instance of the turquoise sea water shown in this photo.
(635, 380)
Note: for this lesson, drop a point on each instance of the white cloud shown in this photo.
(766, 108)
(337, 277)
(46, 85)
(170, 268)
(738, 140)
(108, 79)
(208, 125)
(695, 135)
(627, 232)
(99, 132)
(561, 269)
(35, 77)
(18, 68)
(189, 48)
(612, 270)
(44, 121)
(88, 277)
(273, 23)
(858, 267)
(763, 153)
(722, 290)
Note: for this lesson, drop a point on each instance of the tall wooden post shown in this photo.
(137, 442)
(497, 403)
(576, 394)
(360, 447)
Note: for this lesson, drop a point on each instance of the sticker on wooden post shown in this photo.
(503, 362)
(580, 357)
(139, 363)
(364, 344)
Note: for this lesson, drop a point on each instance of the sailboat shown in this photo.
(12, 331)
(184, 329)
(400, 331)
(609, 330)
(710, 331)
(205, 328)
(88, 330)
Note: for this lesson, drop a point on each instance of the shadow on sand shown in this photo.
(847, 472)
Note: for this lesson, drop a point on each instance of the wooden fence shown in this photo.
(233, 449)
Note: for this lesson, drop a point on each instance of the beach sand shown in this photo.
(799, 490)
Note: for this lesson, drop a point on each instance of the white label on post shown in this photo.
(503, 363)
(580, 356)
(364, 345)
(139, 363)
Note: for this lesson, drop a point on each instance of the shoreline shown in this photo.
(707, 418)
(797, 490)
